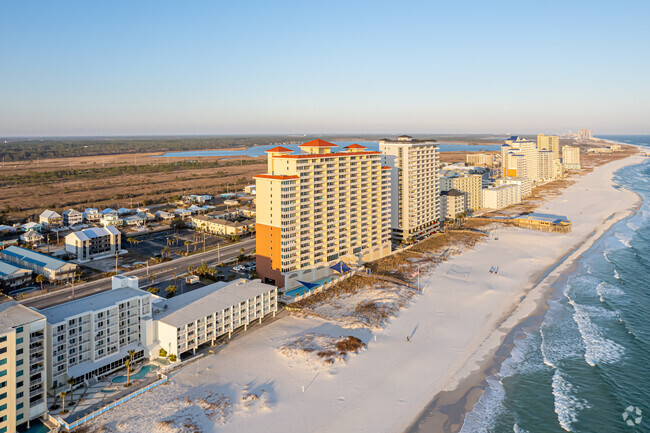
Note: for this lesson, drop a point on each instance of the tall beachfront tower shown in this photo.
(549, 142)
(571, 157)
(519, 158)
(317, 208)
(415, 202)
(22, 366)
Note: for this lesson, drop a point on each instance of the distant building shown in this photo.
(222, 227)
(12, 276)
(50, 219)
(48, 266)
(452, 204)
(31, 226)
(31, 237)
(90, 243)
(571, 157)
(415, 210)
(111, 219)
(525, 184)
(72, 217)
(543, 222)
(92, 215)
(22, 346)
(499, 197)
(549, 142)
(519, 158)
(250, 189)
(471, 185)
(480, 159)
(585, 135)
(186, 322)
(162, 215)
(546, 168)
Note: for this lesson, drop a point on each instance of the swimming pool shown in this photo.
(139, 375)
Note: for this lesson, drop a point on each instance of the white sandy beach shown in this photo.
(453, 326)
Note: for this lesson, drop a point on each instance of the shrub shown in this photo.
(172, 358)
(162, 353)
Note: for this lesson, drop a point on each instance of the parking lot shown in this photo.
(152, 244)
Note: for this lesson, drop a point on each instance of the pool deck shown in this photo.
(89, 399)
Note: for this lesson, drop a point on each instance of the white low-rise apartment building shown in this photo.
(499, 197)
(13, 276)
(525, 184)
(72, 217)
(91, 337)
(22, 366)
(185, 322)
(90, 243)
(48, 266)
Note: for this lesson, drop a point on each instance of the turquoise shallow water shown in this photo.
(587, 364)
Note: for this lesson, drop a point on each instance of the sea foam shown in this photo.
(489, 406)
(567, 404)
(598, 349)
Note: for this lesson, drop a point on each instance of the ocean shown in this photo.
(585, 367)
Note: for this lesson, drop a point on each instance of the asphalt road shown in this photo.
(164, 271)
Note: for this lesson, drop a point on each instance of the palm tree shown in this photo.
(187, 244)
(190, 269)
(78, 274)
(71, 383)
(165, 251)
(171, 290)
(128, 371)
(40, 279)
(62, 394)
(152, 277)
(131, 355)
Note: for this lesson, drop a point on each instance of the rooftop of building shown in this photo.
(500, 187)
(50, 214)
(207, 300)
(92, 233)
(453, 192)
(7, 269)
(90, 303)
(546, 217)
(13, 314)
(318, 143)
(39, 259)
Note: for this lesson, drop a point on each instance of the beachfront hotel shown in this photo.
(91, 337)
(183, 323)
(414, 201)
(480, 159)
(22, 366)
(519, 158)
(317, 208)
(571, 157)
(499, 197)
(470, 184)
(549, 142)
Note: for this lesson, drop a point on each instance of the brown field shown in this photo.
(131, 190)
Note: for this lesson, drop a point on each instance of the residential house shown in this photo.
(72, 217)
(50, 219)
(31, 237)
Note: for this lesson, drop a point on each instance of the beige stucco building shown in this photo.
(498, 197)
(470, 184)
(319, 207)
(549, 142)
(571, 157)
(415, 207)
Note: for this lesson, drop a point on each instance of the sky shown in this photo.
(281, 67)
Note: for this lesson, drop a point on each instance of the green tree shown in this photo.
(162, 353)
(40, 279)
(172, 358)
(171, 291)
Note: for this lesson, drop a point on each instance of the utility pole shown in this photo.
(115, 262)
(219, 252)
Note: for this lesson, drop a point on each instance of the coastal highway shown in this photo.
(164, 271)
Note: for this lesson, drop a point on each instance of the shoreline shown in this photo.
(447, 410)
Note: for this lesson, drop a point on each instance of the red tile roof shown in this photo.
(279, 149)
(318, 143)
(386, 167)
(355, 146)
(276, 177)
